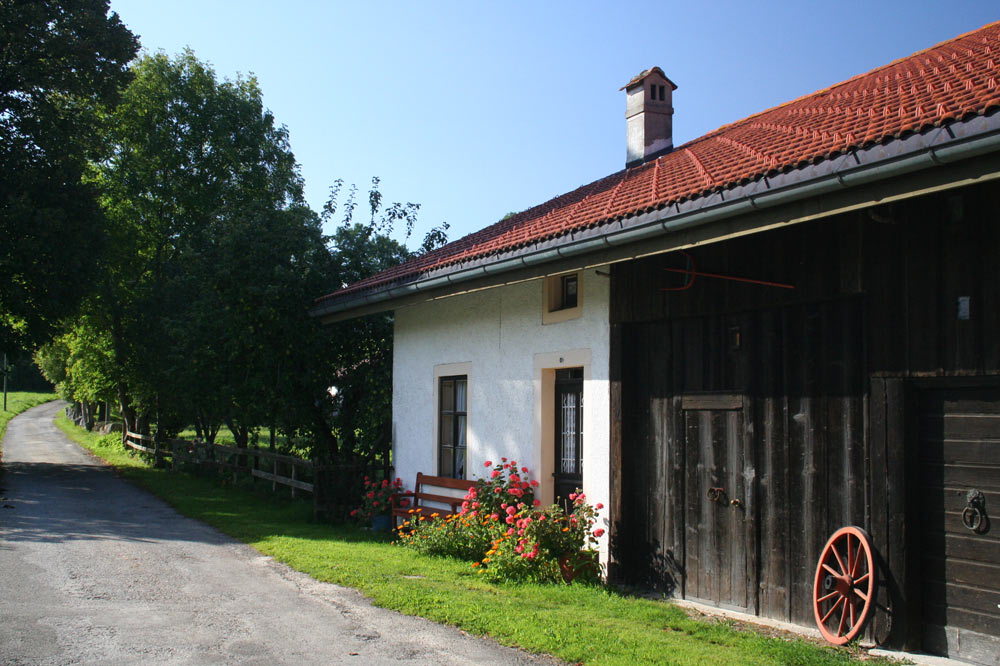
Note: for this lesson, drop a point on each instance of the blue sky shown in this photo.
(475, 109)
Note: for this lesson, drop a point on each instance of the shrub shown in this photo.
(507, 535)
(460, 536)
(505, 485)
(545, 545)
(376, 499)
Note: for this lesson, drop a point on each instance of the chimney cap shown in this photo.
(638, 78)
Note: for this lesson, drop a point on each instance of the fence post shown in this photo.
(293, 479)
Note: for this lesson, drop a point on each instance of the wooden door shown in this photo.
(959, 521)
(569, 434)
(717, 540)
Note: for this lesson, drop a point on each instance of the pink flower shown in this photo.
(572, 496)
(599, 532)
(497, 489)
(488, 463)
(599, 506)
(510, 531)
(494, 474)
(524, 469)
(534, 484)
(375, 503)
(510, 520)
(537, 503)
(371, 494)
(494, 516)
(503, 460)
(510, 510)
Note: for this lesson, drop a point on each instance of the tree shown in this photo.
(360, 349)
(195, 163)
(61, 65)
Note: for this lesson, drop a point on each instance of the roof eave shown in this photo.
(944, 145)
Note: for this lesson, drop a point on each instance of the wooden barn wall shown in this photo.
(826, 370)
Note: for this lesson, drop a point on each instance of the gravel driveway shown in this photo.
(94, 570)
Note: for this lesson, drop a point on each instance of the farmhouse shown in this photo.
(744, 343)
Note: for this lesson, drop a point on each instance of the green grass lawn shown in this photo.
(17, 403)
(580, 624)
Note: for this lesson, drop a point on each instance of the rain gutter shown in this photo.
(937, 148)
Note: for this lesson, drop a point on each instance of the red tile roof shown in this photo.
(951, 81)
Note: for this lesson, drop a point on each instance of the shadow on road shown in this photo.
(51, 502)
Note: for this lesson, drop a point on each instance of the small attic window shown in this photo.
(562, 298)
(663, 93)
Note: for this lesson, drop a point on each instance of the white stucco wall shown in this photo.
(499, 338)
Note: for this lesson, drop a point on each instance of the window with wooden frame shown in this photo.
(452, 424)
(563, 297)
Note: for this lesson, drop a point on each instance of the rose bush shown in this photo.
(376, 499)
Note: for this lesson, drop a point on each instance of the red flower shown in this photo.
(371, 494)
(598, 532)
(537, 503)
(599, 506)
(524, 469)
(534, 484)
(488, 463)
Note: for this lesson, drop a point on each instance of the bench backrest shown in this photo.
(441, 482)
(424, 490)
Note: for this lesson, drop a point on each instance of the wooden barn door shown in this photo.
(959, 525)
(718, 539)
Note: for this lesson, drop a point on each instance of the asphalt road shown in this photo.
(96, 571)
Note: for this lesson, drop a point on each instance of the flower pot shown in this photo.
(578, 564)
(381, 523)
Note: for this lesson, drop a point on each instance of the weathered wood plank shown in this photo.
(283, 480)
(712, 402)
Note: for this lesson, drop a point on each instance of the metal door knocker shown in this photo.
(715, 494)
(974, 515)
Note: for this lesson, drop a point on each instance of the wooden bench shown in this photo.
(420, 495)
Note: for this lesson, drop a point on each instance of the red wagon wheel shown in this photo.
(844, 589)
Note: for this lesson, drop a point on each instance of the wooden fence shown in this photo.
(336, 487)
(280, 470)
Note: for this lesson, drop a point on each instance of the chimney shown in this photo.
(648, 117)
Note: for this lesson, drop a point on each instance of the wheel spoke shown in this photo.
(832, 608)
(861, 594)
(857, 561)
(833, 572)
(850, 558)
(843, 616)
(864, 577)
(840, 562)
(829, 596)
(850, 604)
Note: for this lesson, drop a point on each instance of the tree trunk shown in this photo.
(326, 444)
